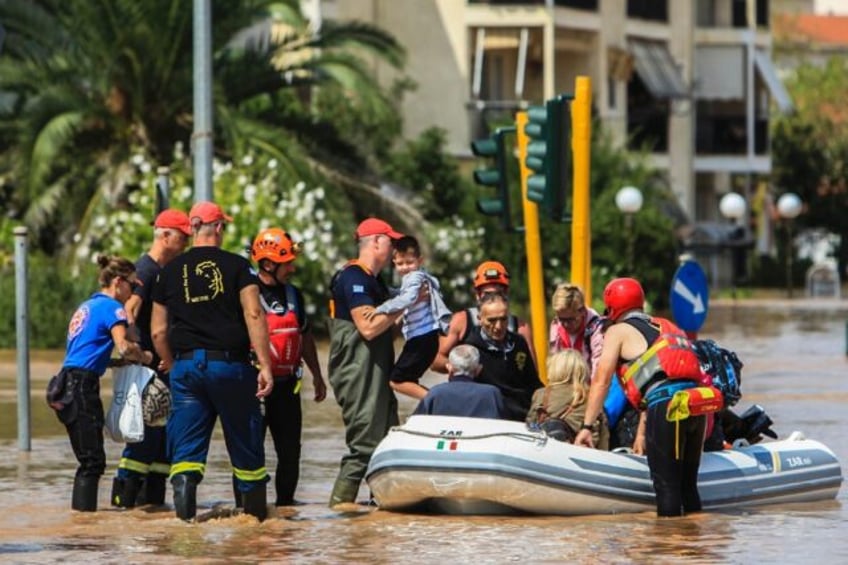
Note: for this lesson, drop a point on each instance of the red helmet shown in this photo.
(491, 272)
(622, 295)
(275, 245)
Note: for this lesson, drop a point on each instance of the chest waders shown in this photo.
(359, 374)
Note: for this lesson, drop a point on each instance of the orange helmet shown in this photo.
(491, 272)
(622, 295)
(275, 245)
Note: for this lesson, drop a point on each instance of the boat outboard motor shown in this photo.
(751, 426)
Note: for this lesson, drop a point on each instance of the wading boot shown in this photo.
(84, 497)
(256, 503)
(344, 492)
(185, 496)
(152, 490)
(125, 491)
(237, 494)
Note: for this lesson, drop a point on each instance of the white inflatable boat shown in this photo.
(476, 466)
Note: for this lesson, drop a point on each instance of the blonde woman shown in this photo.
(564, 400)
(575, 326)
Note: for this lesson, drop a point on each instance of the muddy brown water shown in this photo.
(796, 368)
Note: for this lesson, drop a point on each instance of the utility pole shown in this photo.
(202, 135)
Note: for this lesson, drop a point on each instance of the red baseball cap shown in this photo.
(375, 226)
(208, 212)
(173, 219)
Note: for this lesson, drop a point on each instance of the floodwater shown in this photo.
(796, 368)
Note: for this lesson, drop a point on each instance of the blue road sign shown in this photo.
(689, 296)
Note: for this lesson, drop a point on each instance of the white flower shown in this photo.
(145, 167)
(319, 193)
(137, 159)
(77, 237)
(272, 164)
(310, 309)
(247, 160)
(250, 193)
(242, 179)
(320, 214)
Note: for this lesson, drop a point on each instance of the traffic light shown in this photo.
(549, 154)
(494, 148)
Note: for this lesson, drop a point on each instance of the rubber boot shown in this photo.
(84, 497)
(125, 491)
(185, 496)
(237, 494)
(152, 490)
(344, 491)
(256, 502)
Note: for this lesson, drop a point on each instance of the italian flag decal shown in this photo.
(451, 445)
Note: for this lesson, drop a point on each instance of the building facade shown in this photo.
(690, 80)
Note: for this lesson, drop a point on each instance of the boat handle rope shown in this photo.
(515, 435)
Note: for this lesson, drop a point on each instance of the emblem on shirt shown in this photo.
(78, 321)
(213, 279)
(520, 360)
(121, 314)
(358, 289)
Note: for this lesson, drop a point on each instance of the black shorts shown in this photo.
(415, 358)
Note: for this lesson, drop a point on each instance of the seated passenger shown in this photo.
(461, 395)
(559, 407)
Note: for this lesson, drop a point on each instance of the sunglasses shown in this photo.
(134, 285)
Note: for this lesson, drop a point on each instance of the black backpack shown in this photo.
(723, 366)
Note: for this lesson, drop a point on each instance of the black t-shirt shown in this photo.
(146, 269)
(200, 289)
(352, 287)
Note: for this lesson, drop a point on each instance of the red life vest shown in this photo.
(286, 341)
(671, 356)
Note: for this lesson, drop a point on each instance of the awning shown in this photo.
(657, 69)
(773, 82)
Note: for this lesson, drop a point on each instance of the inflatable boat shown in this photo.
(451, 465)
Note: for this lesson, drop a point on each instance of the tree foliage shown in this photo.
(810, 147)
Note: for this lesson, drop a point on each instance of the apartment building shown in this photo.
(692, 80)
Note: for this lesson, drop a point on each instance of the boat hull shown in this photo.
(479, 466)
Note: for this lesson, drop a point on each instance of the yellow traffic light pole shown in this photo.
(581, 234)
(532, 241)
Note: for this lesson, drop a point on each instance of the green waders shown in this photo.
(359, 374)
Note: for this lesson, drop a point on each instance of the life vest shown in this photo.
(670, 356)
(286, 341)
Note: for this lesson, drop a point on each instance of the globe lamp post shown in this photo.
(789, 206)
(628, 200)
(732, 206)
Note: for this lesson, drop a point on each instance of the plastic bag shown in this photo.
(125, 419)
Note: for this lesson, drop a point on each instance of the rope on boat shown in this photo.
(514, 435)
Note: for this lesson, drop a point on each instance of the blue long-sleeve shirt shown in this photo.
(420, 317)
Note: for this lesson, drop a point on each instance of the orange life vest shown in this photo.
(671, 356)
(286, 341)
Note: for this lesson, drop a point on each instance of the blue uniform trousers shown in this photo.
(201, 390)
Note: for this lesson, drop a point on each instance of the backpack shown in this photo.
(723, 366)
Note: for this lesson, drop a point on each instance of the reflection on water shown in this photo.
(795, 367)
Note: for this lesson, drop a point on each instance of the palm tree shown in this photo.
(85, 84)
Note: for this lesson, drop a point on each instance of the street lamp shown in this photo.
(732, 206)
(629, 201)
(789, 206)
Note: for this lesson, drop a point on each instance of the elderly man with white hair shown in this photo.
(461, 395)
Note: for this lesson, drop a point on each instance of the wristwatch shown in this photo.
(586, 427)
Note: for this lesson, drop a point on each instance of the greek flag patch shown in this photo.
(358, 288)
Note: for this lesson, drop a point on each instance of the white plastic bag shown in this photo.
(125, 419)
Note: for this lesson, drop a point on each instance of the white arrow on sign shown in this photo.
(683, 290)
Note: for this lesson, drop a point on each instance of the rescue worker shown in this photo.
(98, 326)
(505, 356)
(144, 466)
(490, 276)
(673, 448)
(362, 354)
(206, 313)
(274, 253)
